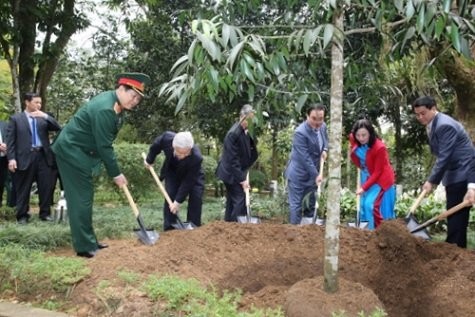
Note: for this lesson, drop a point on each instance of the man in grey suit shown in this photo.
(3, 159)
(309, 146)
(239, 154)
(454, 152)
(30, 157)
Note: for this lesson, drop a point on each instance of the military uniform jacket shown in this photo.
(86, 140)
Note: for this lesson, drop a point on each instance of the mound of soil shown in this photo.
(276, 265)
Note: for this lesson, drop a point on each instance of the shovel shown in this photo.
(179, 224)
(148, 237)
(315, 220)
(358, 223)
(248, 218)
(441, 216)
(411, 221)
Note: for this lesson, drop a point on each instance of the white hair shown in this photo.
(183, 140)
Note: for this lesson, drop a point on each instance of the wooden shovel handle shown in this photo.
(358, 181)
(453, 210)
(417, 202)
(131, 201)
(159, 183)
(442, 215)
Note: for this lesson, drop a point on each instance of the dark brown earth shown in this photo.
(282, 265)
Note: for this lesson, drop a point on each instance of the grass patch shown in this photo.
(187, 297)
(29, 272)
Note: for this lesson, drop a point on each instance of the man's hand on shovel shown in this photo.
(174, 207)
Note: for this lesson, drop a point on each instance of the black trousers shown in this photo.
(235, 202)
(457, 223)
(40, 172)
(3, 176)
(195, 202)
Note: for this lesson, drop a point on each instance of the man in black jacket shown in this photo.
(182, 173)
(239, 153)
(30, 157)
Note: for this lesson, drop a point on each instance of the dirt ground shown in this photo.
(282, 265)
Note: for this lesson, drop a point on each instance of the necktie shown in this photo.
(33, 132)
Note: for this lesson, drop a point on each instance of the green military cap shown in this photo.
(136, 81)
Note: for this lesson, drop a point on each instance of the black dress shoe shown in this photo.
(86, 254)
(47, 218)
(101, 245)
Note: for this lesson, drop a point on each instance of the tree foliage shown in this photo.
(32, 59)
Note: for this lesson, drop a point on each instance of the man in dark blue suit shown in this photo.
(30, 157)
(239, 153)
(309, 146)
(454, 152)
(182, 173)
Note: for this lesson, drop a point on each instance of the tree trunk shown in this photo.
(332, 229)
(460, 73)
(52, 51)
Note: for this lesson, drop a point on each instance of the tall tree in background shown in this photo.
(21, 21)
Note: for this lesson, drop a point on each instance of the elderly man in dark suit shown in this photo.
(309, 146)
(239, 154)
(3, 158)
(182, 173)
(454, 152)
(30, 157)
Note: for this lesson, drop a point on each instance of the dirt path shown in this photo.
(272, 263)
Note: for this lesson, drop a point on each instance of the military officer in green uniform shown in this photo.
(84, 143)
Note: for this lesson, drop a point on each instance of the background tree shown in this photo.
(20, 24)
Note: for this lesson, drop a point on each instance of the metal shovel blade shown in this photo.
(312, 221)
(248, 219)
(411, 224)
(361, 225)
(180, 225)
(147, 236)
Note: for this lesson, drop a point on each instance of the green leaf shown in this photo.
(246, 70)
(181, 60)
(327, 34)
(300, 103)
(469, 24)
(214, 75)
(399, 5)
(446, 6)
(181, 102)
(421, 19)
(250, 93)
(455, 36)
(210, 46)
(410, 10)
(439, 26)
(249, 59)
(308, 40)
(257, 45)
(225, 34)
(409, 34)
(234, 54)
(191, 51)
